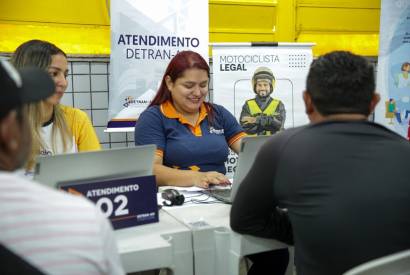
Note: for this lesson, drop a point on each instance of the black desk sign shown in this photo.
(126, 202)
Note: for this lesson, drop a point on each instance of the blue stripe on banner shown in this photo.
(121, 124)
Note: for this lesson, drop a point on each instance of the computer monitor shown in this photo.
(111, 164)
(250, 146)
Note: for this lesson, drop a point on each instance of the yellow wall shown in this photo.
(242, 21)
(339, 24)
(82, 27)
(77, 26)
(331, 24)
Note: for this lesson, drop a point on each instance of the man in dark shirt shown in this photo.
(339, 188)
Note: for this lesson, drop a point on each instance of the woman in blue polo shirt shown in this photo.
(192, 136)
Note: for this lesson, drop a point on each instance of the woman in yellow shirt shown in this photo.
(55, 128)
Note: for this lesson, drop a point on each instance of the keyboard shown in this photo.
(221, 194)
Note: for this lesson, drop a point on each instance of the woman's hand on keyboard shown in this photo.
(204, 179)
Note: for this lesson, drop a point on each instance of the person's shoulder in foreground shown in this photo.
(328, 185)
(55, 232)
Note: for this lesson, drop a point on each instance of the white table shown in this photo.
(166, 244)
(217, 249)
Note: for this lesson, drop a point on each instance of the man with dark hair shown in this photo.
(53, 231)
(338, 189)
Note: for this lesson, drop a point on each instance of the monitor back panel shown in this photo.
(132, 161)
(250, 146)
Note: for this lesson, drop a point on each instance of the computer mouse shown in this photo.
(172, 197)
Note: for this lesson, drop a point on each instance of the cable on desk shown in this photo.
(201, 201)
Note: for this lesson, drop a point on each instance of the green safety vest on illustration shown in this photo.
(256, 110)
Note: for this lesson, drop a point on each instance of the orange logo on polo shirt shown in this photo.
(194, 168)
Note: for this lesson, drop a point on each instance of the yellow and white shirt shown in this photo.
(84, 136)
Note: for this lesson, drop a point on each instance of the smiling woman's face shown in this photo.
(189, 91)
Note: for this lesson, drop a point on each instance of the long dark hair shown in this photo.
(181, 62)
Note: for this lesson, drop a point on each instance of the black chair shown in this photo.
(11, 264)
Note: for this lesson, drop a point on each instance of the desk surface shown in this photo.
(217, 248)
(215, 214)
(156, 245)
(166, 225)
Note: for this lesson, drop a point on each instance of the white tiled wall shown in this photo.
(88, 90)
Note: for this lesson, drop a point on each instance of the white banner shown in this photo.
(393, 70)
(145, 35)
(234, 66)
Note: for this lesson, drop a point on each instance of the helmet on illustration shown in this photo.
(263, 81)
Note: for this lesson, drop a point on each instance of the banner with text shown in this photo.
(125, 202)
(261, 85)
(393, 69)
(145, 35)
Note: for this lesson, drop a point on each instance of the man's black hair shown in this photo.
(341, 82)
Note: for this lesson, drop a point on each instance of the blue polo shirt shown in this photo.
(201, 147)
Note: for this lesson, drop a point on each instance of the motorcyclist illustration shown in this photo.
(263, 115)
